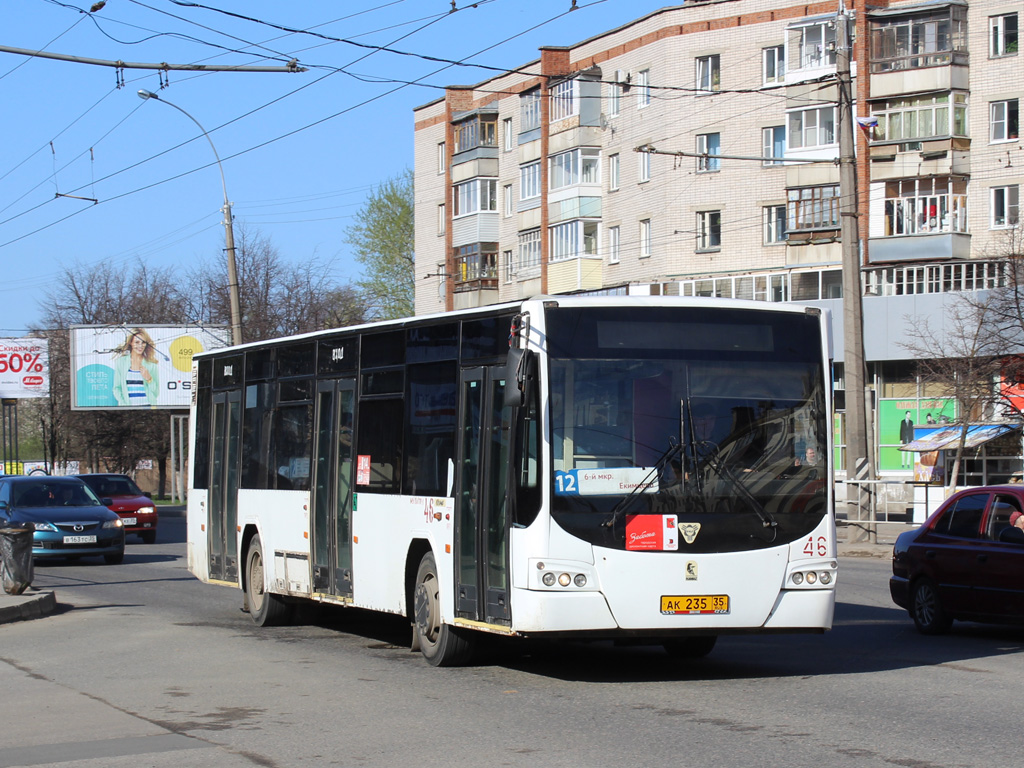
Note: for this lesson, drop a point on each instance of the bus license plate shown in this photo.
(79, 539)
(677, 605)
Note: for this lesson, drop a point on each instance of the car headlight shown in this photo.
(146, 510)
(45, 526)
(113, 523)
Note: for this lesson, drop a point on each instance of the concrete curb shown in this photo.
(30, 604)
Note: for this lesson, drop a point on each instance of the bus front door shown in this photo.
(332, 488)
(222, 530)
(481, 530)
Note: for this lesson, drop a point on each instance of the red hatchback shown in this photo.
(965, 562)
(136, 509)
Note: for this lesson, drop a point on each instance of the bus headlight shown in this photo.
(580, 580)
(814, 577)
(548, 579)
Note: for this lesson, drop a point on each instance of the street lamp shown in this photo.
(229, 234)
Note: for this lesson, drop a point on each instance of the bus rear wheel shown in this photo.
(696, 647)
(265, 608)
(442, 645)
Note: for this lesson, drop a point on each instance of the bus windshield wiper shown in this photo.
(723, 470)
(674, 448)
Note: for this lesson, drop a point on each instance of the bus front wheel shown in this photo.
(265, 608)
(441, 644)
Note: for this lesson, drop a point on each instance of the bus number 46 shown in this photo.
(821, 546)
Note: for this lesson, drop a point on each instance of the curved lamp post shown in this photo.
(229, 235)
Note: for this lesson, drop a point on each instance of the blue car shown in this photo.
(70, 521)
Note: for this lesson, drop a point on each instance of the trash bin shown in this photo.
(15, 558)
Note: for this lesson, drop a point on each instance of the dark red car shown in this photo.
(965, 562)
(136, 508)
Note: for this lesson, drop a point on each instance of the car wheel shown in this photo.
(149, 537)
(442, 645)
(115, 559)
(696, 647)
(926, 609)
(265, 608)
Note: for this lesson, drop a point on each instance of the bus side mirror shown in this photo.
(518, 374)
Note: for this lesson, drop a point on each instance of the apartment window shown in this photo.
(475, 196)
(709, 230)
(529, 180)
(773, 65)
(813, 208)
(507, 194)
(577, 166)
(925, 205)
(1003, 35)
(816, 44)
(643, 88)
(613, 172)
(614, 99)
(529, 111)
(1005, 121)
(613, 245)
(815, 127)
(709, 73)
(774, 224)
(927, 39)
(480, 131)
(645, 166)
(506, 134)
(921, 117)
(573, 239)
(442, 220)
(442, 157)
(708, 144)
(645, 238)
(478, 261)
(510, 266)
(564, 100)
(773, 144)
(529, 250)
(1005, 206)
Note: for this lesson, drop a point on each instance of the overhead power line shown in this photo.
(291, 66)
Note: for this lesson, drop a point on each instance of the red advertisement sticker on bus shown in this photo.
(362, 469)
(652, 532)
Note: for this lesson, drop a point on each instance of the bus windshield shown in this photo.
(720, 423)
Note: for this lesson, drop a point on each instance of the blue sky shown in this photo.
(300, 151)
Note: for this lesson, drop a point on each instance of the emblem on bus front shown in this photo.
(689, 531)
(691, 570)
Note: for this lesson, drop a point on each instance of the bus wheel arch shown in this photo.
(265, 608)
(441, 644)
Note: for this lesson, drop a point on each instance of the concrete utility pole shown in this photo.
(858, 461)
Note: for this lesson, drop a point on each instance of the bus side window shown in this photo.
(380, 437)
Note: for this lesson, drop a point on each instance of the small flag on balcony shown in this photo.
(867, 122)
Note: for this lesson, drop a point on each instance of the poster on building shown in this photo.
(897, 419)
(135, 367)
(24, 368)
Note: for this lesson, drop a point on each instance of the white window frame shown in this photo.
(817, 45)
(1001, 38)
(509, 204)
(906, 118)
(709, 73)
(614, 244)
(529, 110)
(614, 99)
(563, 100)
(573, 240)
(614, 172)
(442, 157)
(510, 266)
(768, 136)
(644, 168)
(999, 120)
(530, 252)
(1004, 206)
(709, 231)
(529, 180)
(773, 65)
(442, 220)
(774, 220)
(815, 123)
(709, 144)
(506, 129)
(646, 243)
(479, 195)
(581, 165)
(643, 88)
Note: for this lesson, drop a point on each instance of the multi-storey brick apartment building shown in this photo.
(661, 158)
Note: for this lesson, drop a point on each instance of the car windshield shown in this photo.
(50, 494)
(113, 486)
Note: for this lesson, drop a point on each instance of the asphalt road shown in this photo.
(142, 665)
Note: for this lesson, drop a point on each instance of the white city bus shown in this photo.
(645, 469)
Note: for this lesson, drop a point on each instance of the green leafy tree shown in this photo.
(382, 238)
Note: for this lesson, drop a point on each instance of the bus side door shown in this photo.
(222, 529)
(482, 525)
